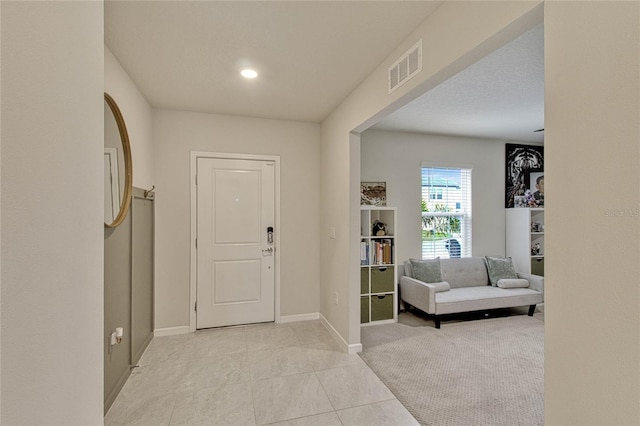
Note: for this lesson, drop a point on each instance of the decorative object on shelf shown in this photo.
(373, 193)
(535, 249)
(537, 227)
(525, 200)
(379, 229)
(520, 161)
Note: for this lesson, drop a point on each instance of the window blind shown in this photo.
(446, 212)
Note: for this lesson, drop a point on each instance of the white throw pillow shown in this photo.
(513, 283)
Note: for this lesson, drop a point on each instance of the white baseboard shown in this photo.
(171, 331)
(356, 348)
(299, 317)
(350, 349)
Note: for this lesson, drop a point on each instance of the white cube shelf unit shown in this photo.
(525, 239)
(378, 269)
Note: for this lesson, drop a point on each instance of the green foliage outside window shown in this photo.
(439, 227)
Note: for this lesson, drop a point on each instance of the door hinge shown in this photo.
(196, 180)
(196, 243)
(196, 307)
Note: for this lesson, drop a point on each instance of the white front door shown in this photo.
(235, 253)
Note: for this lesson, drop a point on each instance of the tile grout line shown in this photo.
(300, 344)
(253, 399)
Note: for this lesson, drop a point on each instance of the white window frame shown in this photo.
(438, 248)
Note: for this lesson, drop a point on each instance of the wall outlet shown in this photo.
(332, 233)
(335, 297)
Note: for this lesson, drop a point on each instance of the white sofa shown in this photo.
(466, 287)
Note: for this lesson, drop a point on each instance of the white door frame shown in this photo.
(194, 230)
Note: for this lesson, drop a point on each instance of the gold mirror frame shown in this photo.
(125, 202)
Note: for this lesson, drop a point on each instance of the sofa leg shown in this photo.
(437, 321)
(532, 308)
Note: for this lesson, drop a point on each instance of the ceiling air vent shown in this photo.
(405, 67)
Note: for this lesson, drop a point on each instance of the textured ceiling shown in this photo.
(499, 97)
(187, 55)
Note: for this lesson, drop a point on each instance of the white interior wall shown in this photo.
(176, 135)
(396, 157)
(591, 334)
(137, 114)
(592, 213)
(52, 210)
(466, 31)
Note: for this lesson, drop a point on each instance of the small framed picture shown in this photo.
(373, 193)
(535, 185)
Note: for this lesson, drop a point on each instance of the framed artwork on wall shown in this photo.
(535, 183)
(373, 193)
(520, 160)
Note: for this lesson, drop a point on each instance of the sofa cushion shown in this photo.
(442, 286)
(408, 271)
(513, 283)
(486, 297)
(500, 268)
(465, 272)
(427, 271)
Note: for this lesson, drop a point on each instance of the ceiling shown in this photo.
(187, 55)
(499, 97)
(310, 55)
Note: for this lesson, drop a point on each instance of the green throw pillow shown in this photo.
(500, 268)
(427, 271)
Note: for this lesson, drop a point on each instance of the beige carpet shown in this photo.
(481, 372)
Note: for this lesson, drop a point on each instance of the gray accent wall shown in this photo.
(128, 292)
(120, 254)
(142, 265)
(117, 307)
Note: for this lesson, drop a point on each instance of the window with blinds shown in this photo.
(446, 212)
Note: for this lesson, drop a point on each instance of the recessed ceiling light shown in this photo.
(248, 73)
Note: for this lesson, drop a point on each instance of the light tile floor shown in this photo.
(281, 374)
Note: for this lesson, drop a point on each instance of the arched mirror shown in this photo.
(117, 165)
